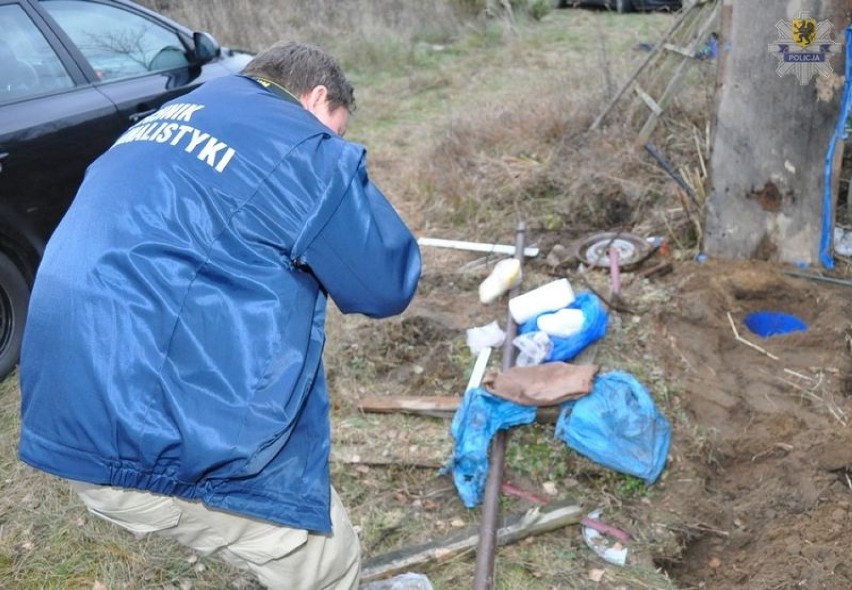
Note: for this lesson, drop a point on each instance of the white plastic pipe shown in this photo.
(530, 251)
(479, 368)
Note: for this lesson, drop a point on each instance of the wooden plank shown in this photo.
(434, 406)
(691, 14)
(670, 91)
(517, 527)
(437, 406)
(648, 100)
(680, 50)
(651, 55)
(674, 82)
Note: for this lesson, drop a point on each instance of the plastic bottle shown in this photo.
(506, 274)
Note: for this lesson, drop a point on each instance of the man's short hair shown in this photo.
(301, 67)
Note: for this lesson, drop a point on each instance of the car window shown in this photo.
(118, 43)
(28, 65)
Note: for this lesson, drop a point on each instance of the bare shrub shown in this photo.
(254, 24)
(534, 157)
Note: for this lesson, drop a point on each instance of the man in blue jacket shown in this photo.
(171, 366)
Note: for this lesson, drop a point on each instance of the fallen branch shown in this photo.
(799, 375)
(533, 522)
(746, 342)
(777, 446)
(833, 409)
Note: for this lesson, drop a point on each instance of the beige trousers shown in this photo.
(280, 557)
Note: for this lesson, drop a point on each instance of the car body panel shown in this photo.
(58, 112)
(45, 130)
(137, 97)
(50, 139)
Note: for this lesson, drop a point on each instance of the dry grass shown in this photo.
(361, 33)
(471, 126)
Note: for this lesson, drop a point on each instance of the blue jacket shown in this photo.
(176, 326)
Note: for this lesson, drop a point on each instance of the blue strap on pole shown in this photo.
(827, 236)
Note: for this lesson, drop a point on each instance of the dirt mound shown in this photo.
(770, 446)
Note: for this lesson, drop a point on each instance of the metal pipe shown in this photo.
(661, 160)
(833, 280)
(485, 552)
(614, 272)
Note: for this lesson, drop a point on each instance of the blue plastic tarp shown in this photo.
(479, 417)
(618, 426)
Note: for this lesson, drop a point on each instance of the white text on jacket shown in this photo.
(166, 126)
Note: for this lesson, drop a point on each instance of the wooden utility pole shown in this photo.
(773, 123)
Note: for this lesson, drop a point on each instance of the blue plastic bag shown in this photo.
(475, 423)
(618, 426)
(594, 328)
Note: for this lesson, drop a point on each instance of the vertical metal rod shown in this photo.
(485, 552)
(614, 272)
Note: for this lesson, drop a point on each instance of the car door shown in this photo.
(138, 60)
(74, 74)
(53, 122)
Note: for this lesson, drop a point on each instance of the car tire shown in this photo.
(622, 6)
(14, 300)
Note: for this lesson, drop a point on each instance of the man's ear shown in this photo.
(315, 98)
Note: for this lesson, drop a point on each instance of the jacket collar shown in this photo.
(276, 89)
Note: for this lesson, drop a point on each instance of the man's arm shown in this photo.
(364, 255)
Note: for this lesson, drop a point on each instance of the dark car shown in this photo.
(625, 5)
(74, 74)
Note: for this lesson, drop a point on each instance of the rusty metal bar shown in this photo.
(485, 552)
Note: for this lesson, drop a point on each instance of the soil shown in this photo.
(769, 505)
(757, 490)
